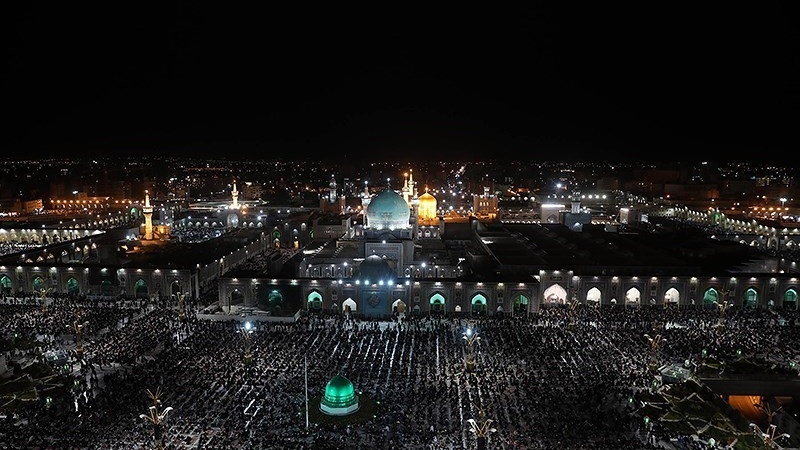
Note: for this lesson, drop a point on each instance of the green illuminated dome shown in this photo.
(388, 211)
(340, 398)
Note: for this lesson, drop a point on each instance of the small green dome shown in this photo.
(339, 393)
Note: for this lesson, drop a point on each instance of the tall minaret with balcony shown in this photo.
(235, 196)
(575, 200)
(332, 190)
(148, 217)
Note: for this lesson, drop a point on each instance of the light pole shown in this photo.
(471, 337)
(769, 435)
(156, 418)
(481, 428)
(43, 296)
(181, 307)
(783, 201)
(723, 307)
(573, 305)
(247, 334)
(767, 409)
(78, 328)
(655, 344)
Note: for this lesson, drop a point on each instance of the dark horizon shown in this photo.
(596, 83)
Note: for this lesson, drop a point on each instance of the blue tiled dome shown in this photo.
(388, 211)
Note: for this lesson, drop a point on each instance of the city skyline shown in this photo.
(543, 83)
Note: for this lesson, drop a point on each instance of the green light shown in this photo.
(339, 393)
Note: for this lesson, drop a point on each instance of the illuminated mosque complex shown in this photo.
(393, 251)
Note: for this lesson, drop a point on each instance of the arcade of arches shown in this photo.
(86, 281)
(431, 296)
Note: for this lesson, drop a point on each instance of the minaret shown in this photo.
(332, 191)
(365, 199)
(576, 202)
(412, 187)
(406, 191)
(148, 217)
(235, 195)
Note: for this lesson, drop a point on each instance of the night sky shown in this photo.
(402, 82)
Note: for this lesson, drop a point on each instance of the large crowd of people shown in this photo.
(559, 378)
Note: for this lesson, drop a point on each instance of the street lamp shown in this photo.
(783, 201)
(723, 307)
(43, 295)
(481, 429)
(181, 307)
(78, 328)
(767, 409)
(655, 345)
(769, 435)
(247, 334)
(573, 305)
(156, 418)
(471, 337)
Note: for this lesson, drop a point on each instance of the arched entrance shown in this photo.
(633, 297)
(478, 304)
(274, 302)
(349, 306)
(750, 298)
(593, 296)
(140, 288)
(672, 296)
(236, 297)
(790, 299)
(399, 306)
(555, 294)
(314, 301)
(6, 285)
(710, 297)
(38, 284)
(72, 286)
(175, 288)
(520, 304)
(437, 303)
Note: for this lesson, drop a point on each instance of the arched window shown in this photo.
(593, 296)
(236, 297)
(140, 288)
(72, 286)
(790, 298)
(555, 294)
(38, 284)
(520, 304)
(672, 296)
(437, 302)
(478, 303)
(6, 284)
(314, 300)
(633, 296)
(349, 305)
(711, 297)
(750, 298)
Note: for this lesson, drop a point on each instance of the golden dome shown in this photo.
(427, 207)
